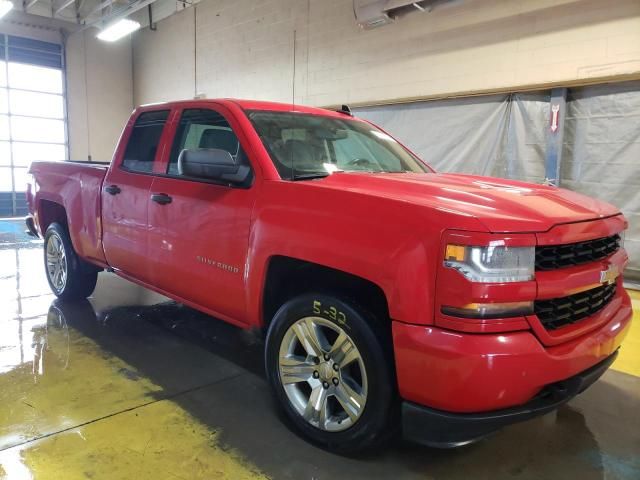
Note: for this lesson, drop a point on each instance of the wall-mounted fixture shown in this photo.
(376, 13)
(370, 13)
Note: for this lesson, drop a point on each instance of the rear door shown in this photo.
(125, 194)
(198, 242)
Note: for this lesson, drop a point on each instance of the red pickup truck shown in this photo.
(392, 297)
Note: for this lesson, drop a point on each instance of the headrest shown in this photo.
(219, 138)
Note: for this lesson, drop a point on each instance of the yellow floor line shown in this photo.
(629, 359)
(69, 381)
(159, 441)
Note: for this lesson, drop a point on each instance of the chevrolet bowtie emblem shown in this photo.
(609, 275)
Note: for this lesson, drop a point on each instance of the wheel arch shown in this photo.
(287, 277)
(50, 212)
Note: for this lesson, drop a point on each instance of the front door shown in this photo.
(199, 231)
(125, 197)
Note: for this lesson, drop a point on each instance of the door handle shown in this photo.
(112, 189)
(161, 198)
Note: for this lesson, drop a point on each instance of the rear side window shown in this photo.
(201, 128)
(143, 143)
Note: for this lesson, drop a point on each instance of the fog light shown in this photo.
(490, 310)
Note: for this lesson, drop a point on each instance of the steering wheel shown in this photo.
(359, 162)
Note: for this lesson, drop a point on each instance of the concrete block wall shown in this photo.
(99, 94)
(164, 60)
(245, 48)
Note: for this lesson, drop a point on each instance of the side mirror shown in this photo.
(212, 164)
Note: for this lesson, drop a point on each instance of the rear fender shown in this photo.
(71, 194)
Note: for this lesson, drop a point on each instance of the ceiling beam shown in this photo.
(98, 8)
(65, 4)
(116, 14)
(27, 5)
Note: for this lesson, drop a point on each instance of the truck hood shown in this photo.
(500, 205)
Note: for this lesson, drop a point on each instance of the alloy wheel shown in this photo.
(323, 374)
(56, 262)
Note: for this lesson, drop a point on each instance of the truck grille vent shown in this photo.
(558, 312)
(552, 257)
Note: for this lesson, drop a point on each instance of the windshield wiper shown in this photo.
(310, 176)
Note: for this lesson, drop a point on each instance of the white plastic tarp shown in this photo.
(497, 135)
(601, 154)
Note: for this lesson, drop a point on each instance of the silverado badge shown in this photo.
(215, 263)
(609, 275)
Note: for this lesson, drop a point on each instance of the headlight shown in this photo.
(492, 264)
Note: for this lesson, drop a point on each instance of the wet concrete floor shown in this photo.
(130, 385)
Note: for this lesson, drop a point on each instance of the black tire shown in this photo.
(378, 420)
(80, 278)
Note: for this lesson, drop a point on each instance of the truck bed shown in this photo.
(85, 162)
(76, 185)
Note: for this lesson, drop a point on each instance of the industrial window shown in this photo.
(32, 114)
(144, 140)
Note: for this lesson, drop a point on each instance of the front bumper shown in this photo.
(471, 373)
(445, 429)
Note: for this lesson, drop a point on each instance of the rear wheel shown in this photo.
(69, 277)
(329, 370)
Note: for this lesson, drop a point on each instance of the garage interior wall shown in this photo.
(244, 49)
(100, 94)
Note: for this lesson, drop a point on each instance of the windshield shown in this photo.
(304, 146)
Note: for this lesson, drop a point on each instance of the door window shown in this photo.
(201, 128)
(143, 143)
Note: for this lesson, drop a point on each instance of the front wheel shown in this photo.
(69, 277)
(326, 362)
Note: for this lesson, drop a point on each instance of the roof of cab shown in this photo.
(253, 105)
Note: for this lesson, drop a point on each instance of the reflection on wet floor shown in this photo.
(132, 385)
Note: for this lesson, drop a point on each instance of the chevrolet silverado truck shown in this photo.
(392, 298)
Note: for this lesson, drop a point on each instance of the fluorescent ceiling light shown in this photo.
(5, 6)
(117, 30)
